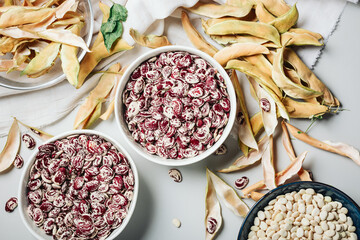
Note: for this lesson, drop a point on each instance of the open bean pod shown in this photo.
(8, 154)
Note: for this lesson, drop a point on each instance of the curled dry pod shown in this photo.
(229, 39)
(251, 158)
(212, 208)
(308, 76)
(195, 37)
(256, 123)
(239, 50)
(286, 21)
(338, 148)
(18, 15)
(263, 14)
(20, 56)
(268, 107)
(257, 29)
(245, 133)
(44, 60)
(305, 31)
(252, 71)
(150, 41)
(256, 196)
(110, 109)
(300, 39)
(292, 169)
(99, 51)
(8, 154)
(93, 102)
(289, 87)
(216, 11)
(68, 55)
(276, 7)
(228, 195)
(285, 138)
(260, 62)
(43, 135)
(92, 118)
(63, 36)
(7, 65)
(267, 163)
(298, 109)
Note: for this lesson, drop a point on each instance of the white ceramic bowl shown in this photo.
(13, 80)
(23, 202)
(119, 107)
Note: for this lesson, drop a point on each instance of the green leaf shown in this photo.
(113, 29)
(111, 37)
(108, 27)
(118, 13)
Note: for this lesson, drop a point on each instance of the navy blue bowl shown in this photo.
(324, 189)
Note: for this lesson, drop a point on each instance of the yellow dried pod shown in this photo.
(216, 11)
(8, 2)
(245, 133)
(99, 52)
(286, 21)
(289, 87)
(228, 195)
(257, 29)
(230, 39)
(286, 141)
(8, 154)
(239, 50)
(254, 72)
(20, 56)
(7, 44)
(195, 37)
(150, 41)
(260, 62)
(92, 118)
(212, 21)
(276, 7)
(267, 106)
(307, 75)
(41, 134)
(338, 148)
(263, 14)
(305, 31)
(44, 60)
(246, 161)
(18, 15)
(300, 39)
(68, 55)
(292, 75)
(298, 109)
(257, 123)
(212, 208)
(267, 163)
(66, 22)
(96, 96)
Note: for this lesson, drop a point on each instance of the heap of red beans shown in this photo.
(176, 105)
(80, 187)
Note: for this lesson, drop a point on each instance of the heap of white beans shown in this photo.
(303, 215)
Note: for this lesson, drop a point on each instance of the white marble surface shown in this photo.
(160, 199)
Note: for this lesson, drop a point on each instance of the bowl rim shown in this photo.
(61, 77)
(139, 149)
(22, 186)
(289, 184)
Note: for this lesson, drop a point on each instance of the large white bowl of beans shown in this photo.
(175, 105)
